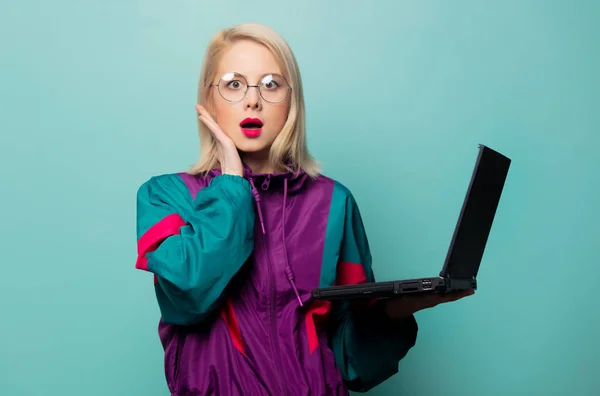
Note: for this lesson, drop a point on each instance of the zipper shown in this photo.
(274, 336)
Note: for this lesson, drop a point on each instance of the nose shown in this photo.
(253, 99)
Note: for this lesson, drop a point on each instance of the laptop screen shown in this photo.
(477, 215)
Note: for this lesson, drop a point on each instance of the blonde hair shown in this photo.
(289, 151)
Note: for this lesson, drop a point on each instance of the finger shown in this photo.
(201, 109)
(464, 293)
(211, 124)
(213, 128)
(454, 296)
(208, 122)
(431, 300)
(203, 112)
(423, 301)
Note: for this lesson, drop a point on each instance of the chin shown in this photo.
(247, 145)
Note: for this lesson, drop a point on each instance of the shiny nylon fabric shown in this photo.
(276, 359)
(235, 260)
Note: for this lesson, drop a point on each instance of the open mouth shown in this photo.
(251, 127)
(251, 123)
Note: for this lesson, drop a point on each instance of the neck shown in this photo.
(258, 162)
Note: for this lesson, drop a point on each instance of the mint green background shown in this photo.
(96, 97)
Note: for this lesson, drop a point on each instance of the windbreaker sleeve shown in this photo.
(366, 343)
(193, 252)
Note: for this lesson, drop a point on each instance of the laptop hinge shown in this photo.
(472, 282)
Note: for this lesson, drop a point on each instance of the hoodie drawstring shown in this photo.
(288, 270)
(257, 199)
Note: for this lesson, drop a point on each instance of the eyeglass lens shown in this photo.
(233, 87)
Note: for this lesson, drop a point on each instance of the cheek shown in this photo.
(280, 114)
(225, 116)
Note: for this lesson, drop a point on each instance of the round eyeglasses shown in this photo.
(273, 88)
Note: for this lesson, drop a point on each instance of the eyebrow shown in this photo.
(261, 75)
(219, 76)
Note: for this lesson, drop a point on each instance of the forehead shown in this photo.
(250, 59)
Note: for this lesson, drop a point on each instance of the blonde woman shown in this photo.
(237, 244)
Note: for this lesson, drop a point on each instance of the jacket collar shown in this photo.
(269, 182)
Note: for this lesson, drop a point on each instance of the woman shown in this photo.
(237, 244)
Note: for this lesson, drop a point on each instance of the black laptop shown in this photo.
(466, 248)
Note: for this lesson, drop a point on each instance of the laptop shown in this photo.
(467, 246)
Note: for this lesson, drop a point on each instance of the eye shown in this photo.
(271, 84)
(235, 84)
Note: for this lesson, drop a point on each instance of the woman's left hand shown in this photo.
(404, 306)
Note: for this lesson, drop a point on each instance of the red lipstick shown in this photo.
(251, 127)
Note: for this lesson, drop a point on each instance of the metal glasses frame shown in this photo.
(289, 88)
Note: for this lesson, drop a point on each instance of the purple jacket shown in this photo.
(234, 262)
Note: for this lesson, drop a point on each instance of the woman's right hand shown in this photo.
(229, 158)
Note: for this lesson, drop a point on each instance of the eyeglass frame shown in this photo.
(257, 86)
